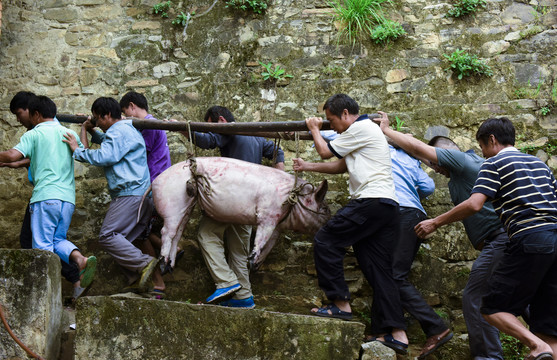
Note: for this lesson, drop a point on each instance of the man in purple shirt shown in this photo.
(135, 105)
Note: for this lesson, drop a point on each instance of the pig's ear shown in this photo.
(321, 191)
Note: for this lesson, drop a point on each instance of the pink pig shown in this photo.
(239, 192)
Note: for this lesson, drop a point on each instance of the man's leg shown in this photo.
(509, 324)
(119, 224)
(526, 274)
(211, 242)
(483, 338)
(405, 250)
(374, 256)
(25, 235)
(237, 238)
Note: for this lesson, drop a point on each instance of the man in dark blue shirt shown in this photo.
(231, 275)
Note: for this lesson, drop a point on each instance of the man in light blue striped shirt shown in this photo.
(523, 191)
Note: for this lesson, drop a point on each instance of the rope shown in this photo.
(193, 148)
(275, 151)
(22, 345)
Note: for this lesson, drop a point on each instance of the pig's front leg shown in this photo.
(265, 239)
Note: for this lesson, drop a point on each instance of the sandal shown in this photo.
(88, 273)
(332, 311)
(398, 346)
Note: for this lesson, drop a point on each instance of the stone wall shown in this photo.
(75, 51)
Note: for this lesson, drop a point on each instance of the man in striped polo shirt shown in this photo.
(523, 192)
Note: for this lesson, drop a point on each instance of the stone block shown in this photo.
(30, 294)
(130, 328)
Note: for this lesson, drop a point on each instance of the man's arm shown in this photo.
(10, 156)
(279, 165)
(331, 167)
(463, 210)
(314, 125)
(411, 145)
(25, 162)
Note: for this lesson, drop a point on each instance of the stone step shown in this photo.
(120, 327)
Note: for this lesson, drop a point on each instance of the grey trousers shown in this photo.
(120, 229)
(214, 236)
(483, 338)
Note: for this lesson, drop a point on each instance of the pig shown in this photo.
(238, 192)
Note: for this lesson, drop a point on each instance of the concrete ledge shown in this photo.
(130, 328)
(30, 293)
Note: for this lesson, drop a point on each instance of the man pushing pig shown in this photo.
(368, 223)
(231, 275)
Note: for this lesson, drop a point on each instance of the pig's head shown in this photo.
(310, 212)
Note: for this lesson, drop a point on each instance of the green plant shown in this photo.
(273, 74)
(545, 110)
(531, 31)
(512, 348)
(527, 92)
(332, 70)
(554, 92)
(387, 31)
(465, 7)
(182, 19)
(257, 6)
(365, 316)
(464, 64)
(162, 8)
(357, 17)
(398, 124)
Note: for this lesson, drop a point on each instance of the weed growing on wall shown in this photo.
(273, 74)
(387, 31)
(357, 18)
(527, 92)
(257, 6)
(182, 19)
(398, 124)
(464, 64)
(465, 7)
(162, 8)
(512, 348)
(545, 110)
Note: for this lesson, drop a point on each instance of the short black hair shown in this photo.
(107, 106)
(443, 142)
(501, 128)
(215, 112)
(21, 101)
(136, 98)
(43, 105)
(338, 102)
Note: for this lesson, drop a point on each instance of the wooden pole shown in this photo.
(276, 129)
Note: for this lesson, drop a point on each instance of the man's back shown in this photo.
(247, 148)
(522, 189)
(51, 162)
(463, 168)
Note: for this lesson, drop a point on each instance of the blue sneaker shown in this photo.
(224, 293)
(239, 303)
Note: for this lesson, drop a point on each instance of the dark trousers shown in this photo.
(369, 226)
(405, 251)
(69, 271)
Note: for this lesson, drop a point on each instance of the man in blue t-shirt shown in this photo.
(523, 191)
(484, 231)
(230, 273)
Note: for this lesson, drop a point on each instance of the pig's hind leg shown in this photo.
(265, 239)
